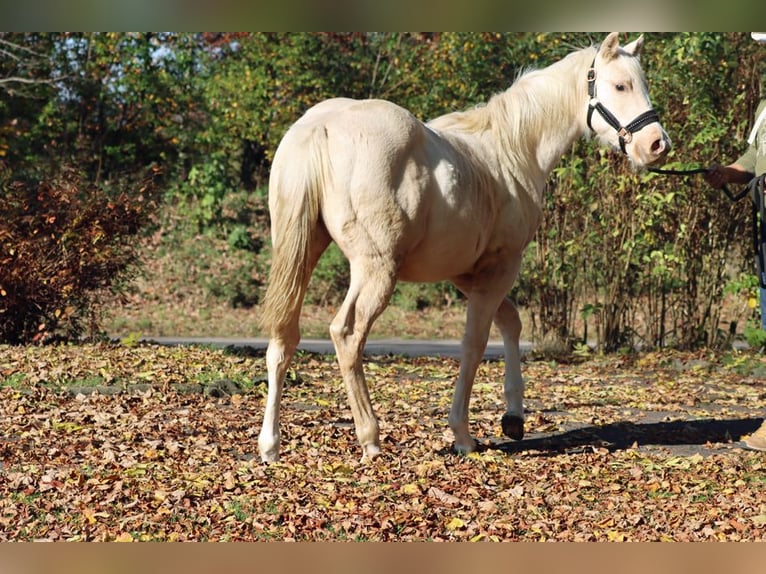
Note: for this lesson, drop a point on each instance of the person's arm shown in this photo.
(720, 175)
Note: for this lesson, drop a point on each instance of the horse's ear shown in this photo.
(609, 46)
(634, 48)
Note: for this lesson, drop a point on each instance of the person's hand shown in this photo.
(715, 176)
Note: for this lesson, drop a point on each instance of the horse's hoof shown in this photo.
(370, 452)
(513, 426)
(464, 448)
(268, 458)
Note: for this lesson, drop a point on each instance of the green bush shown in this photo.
(63, 243)
(418, 296)
(622, 258)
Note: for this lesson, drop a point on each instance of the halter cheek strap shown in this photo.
(625, 133)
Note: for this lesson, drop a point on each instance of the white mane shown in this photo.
(539, 101)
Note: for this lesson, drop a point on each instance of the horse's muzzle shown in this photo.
(658, 148)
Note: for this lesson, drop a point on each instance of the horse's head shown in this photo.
(619, 94)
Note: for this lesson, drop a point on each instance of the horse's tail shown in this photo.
(298, 174)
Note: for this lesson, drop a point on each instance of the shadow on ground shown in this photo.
(705, 436)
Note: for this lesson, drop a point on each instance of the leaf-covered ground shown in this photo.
(110, 442)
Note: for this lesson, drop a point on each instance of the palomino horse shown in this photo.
(458, 199)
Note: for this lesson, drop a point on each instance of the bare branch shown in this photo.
(15, 46)
(17, 80)
(7, 83)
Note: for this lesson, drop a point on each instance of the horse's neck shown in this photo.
(544, 113)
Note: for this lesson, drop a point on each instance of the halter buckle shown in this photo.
(625, 135)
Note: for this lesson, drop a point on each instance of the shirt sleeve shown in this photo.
(747, 159)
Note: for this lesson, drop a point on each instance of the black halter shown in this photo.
(625, 133)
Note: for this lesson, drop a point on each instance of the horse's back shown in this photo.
(392, 186)
(358, 139)
(368, 153)
(372, 121)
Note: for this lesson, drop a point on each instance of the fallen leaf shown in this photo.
(443, 497)
(455, 524)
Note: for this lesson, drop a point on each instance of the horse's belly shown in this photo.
(438, 262)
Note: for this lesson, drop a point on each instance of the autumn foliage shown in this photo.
(112, 443)
(623, 259)
(63, 244)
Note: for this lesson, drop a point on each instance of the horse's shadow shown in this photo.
(623, 435)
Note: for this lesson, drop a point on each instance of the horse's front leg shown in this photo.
(478, 321)
(508, 322)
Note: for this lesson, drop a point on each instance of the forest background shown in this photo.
(135, 169)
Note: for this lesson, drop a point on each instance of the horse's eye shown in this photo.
(620, 87)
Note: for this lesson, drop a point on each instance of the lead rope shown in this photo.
(755, 187)
(695, 171)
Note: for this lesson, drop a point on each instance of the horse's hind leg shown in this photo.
(281, 349)
(372, 282)
(508, 322)
(283, 341)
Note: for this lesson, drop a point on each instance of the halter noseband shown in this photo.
(625, 133)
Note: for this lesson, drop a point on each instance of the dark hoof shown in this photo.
(513, 427)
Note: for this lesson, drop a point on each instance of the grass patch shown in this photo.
(14, 380)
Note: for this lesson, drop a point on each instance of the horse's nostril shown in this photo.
(660, 146)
